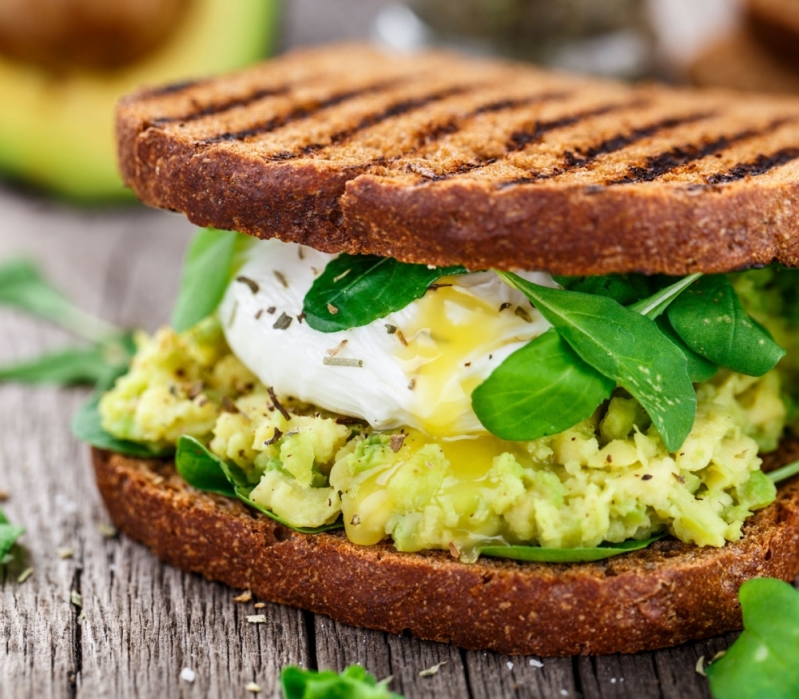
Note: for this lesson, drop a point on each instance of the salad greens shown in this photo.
(353, 683)
(537, 554)
(207, 271)
(624, 346)
(763, 661)
(710, 319)
(355, 290)
(204, 470)
(542, 389)
(9, 533)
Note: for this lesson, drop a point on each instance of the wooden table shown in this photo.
(143, 622)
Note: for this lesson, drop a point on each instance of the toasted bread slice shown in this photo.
(664, 595)
(442, 160)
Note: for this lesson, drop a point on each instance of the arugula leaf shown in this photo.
(762, 661)
(87, 427)
(541, 389)
(204, 470)
(24, 288)
(699, 368)
(207, 270)
(624, 346)
(73, 365)
(784, 473)
(710, 319)
(622, 288)
(9, 533)
(537, 554)
(352, 683)
(355, 290)
(655, 305)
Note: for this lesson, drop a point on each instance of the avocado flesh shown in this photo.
(57, 131)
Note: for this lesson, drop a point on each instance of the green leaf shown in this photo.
(352, 683)
(541, 389)
(73, 365)
(656, 304)
(624, 346)
(781, 474)
(763, 660)
(9, 533)
(24, 288)
(537, 554)
(710, 319)
(207, 271)
(355, 290)
(622, 288)
(699, 368)
(202, 468)
(87, 427)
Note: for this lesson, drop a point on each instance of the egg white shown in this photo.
(384, 391)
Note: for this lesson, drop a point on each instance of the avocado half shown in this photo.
(57, 129)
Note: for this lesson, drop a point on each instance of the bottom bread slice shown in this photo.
(664, 595)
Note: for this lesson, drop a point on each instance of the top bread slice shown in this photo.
(776, 24)
(438, 159)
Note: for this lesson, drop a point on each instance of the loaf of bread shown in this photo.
(445, 160)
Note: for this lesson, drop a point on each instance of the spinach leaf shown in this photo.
(355, 290)
(9, 533)
(24, 288)
(699, 368)
(710, 319)
(784, 473)
(537, 554)
(542, 389)
(352, 683)
(624, 346)
(763, 660)
(622, 288)
(204, 470)
(207, 271)
(87, 427)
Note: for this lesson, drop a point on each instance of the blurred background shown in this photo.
(64, 63)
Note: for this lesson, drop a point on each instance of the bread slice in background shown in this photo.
(667, 594)
(775, 24)
(440, 159)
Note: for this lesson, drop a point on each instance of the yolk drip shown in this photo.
(452, 329)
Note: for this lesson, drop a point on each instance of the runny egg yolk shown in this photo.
(451, 329)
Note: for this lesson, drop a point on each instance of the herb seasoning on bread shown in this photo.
(493, 373)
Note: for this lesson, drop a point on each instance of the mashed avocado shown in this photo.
(609, 478)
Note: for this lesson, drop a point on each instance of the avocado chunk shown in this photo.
(57, 120)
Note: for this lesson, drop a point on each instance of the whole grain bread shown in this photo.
(664, 595)
(439, 159)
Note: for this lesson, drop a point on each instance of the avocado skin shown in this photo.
(57, 130)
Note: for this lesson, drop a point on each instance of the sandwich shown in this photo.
(494, 355)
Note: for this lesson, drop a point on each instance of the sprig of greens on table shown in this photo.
(9, 533)
(352, 683)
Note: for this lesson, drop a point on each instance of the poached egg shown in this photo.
(416, 367)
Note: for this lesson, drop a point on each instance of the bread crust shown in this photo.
(577, 177)
(662, 596)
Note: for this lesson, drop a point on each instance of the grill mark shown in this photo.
(170, 89)
(580, 157)
(298, 113)
(658, 165)
(224, 106)
(759, 166)
(522, 138)
(437, 131)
